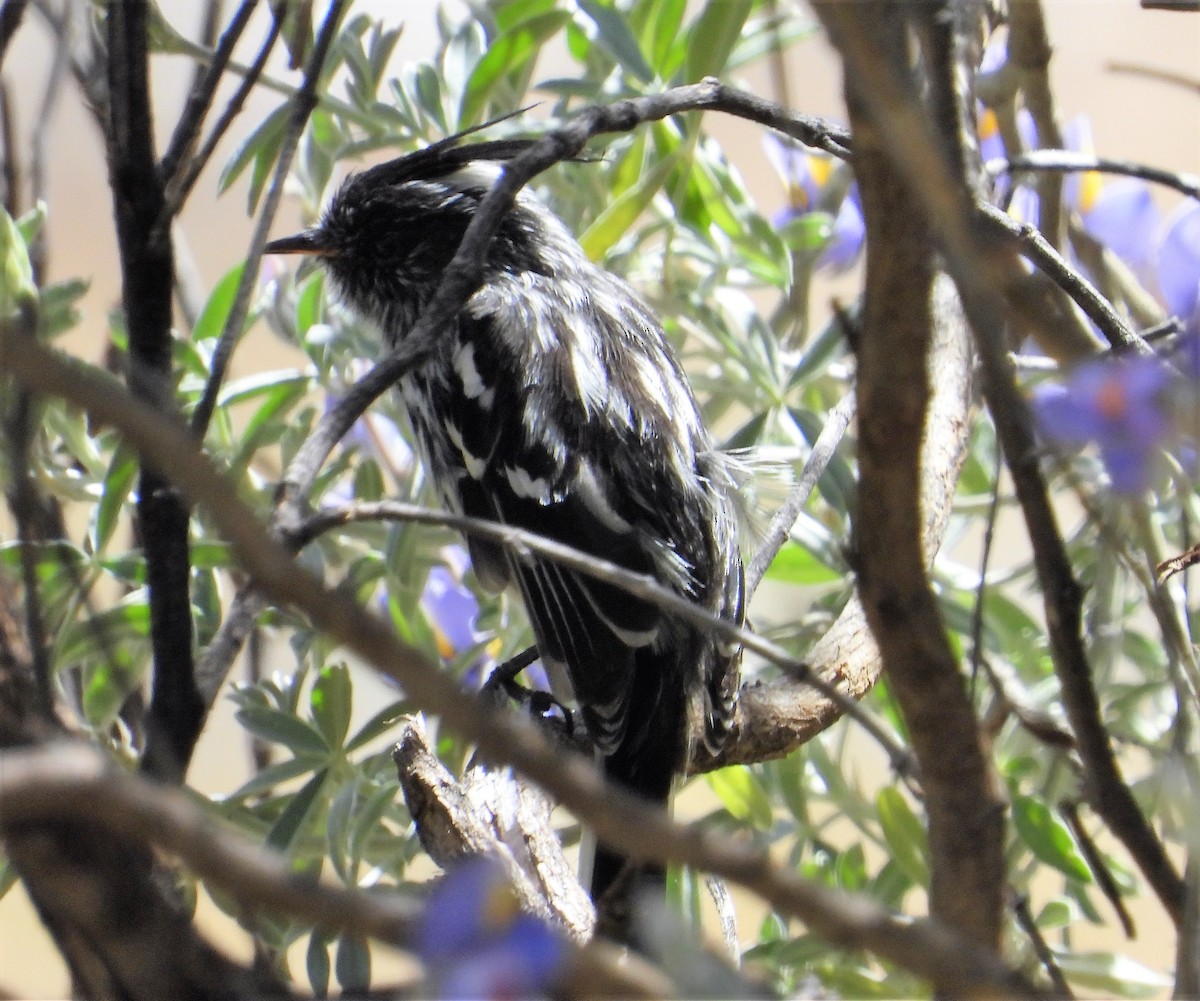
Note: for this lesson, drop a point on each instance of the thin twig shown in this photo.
(10, 20)
(38, 175)
(525, 546)
(1156, 73)
(1098, 866)
(780, 529)
(985, 557)
(303, 103)
(1019, 904)
(10, 169)
(1033, 245)
(180, 185)
(925, 947)
(199, 101)
(1068, 162)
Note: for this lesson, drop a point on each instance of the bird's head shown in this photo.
(390, 231)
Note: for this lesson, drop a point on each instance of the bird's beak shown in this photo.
(312, 242)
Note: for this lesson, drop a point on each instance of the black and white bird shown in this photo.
(556, 404)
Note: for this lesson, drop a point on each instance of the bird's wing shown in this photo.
(529, 460)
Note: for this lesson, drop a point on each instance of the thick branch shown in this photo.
(929, 949)
(93, 887)
(980, 269)
(176, 712)
(965, 813)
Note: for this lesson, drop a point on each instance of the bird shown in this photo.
(555, 403)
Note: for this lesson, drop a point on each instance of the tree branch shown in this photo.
(176, 713)
(965, 813)
(303, 103)
(981, 270)
(1068, 162)
(927, 948)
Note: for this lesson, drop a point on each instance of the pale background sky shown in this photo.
(1132, 118)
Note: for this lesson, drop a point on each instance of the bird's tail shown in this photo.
(646, 763)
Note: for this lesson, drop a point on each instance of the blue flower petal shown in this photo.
(1125, 218)
(849, 232)
(1179, 261)
(451, 608)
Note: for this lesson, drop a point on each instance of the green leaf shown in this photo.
(713, 36)
(612, 30)
(31, 223)
(283, 832)
(353, 964)
(1109, 975)
(310, 303)
(261, 141)
(278, 727)
(809, 233)
(661, 38)
(905, 835)
(378, 724)
(270, 777)
(56, 308)
(264, 425)
(429, 95)
(107, 685)
(742, 795)
(366, 820)
(331, 701)
(510, 52)
(211, 321)
(114, 491)
(117, 630)
(316, 963)
(796, 565)
(622, 213)
(1061, 912)
(17, 288)
(1048, 838)
(510, 13)
(261, 384)
(337, 825)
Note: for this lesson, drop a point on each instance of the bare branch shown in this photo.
(176, 712)
(780, 529)
(525, 545)
(981, 271)
(965, 813)
(199, 100)
(303, 103)
(1066, 161)
(181, 182)
(11, 15)
(927, 948)
(70, 780)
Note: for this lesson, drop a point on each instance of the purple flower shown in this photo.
(806, 175)
(991, 143)
(452, 609)
(1121, 405)
(476, 942)
(1120, 213)
(1178, 266)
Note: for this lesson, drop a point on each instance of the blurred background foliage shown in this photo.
(733, 279)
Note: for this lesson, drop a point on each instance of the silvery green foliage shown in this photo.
(665, 208)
